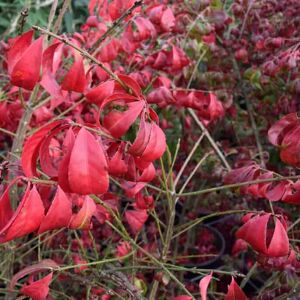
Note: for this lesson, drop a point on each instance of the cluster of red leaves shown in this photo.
(115, 135)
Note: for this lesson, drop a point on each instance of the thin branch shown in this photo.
(59, 19)
(210, 138)
(187, 160)
(52, 14)
(237, 185)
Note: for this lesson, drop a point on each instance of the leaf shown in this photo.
(142, 139)
(118, 123)
(17, 49)
(49, 83)
(278, 130)
(75, 79)
(82, 219)
(87, 171)
(100, 92)
(279, 245)
(167, 20)
(203, 285)
(116, 164)
(59, 214)
(31, 148)
(136, 219)
(254, 231)
(234, 292)
(26, 72)
(26, 219)
(132, 83)
(44, 265)
(39, 289)
(68, 144)
(156, 146)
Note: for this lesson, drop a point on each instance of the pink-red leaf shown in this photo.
(100, 92)
(26, 72)
(59, 213)
(203, 285)
(31, 148)
(234, 292)
(75, 79)
(136, 219)
(118, 123)
(44, 265)
(26, 219)
(39, 289)
(87, 172)
(82, 219)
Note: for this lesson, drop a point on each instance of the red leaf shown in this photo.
(279, 245)
(16, 51)
(59, 213)
(26, 219)
(39, 289)
(31, 148)
(275, 193)
(49, 83)
(242, 174)
(203, 285)
(167, 20)
(293, 197)
(118, 123)
(254, 231)
(182, 297)
(26, 72)
(116, 164)
(156, 146)
(82, 219)
(75, 79)
(142, 139)
(234, 292)
(87, 172)
(44, 265)
(100, 92)
(123, 249)
(278, 130)
(290, 151)
(132, 83)
(136, 219)
(145, 29)
(68, 144)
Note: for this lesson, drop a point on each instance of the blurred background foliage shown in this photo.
(38, 12)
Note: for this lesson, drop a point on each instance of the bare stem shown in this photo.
(210, 139)
(237, 185)
(59, 19)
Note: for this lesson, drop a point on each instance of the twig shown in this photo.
(22, 20)
(255, 131)
(195, 222)
(52, 14)
(237, 185)
(188, 159)
(121, 280)
(210, 139)
(94, 50)
(59, 19)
